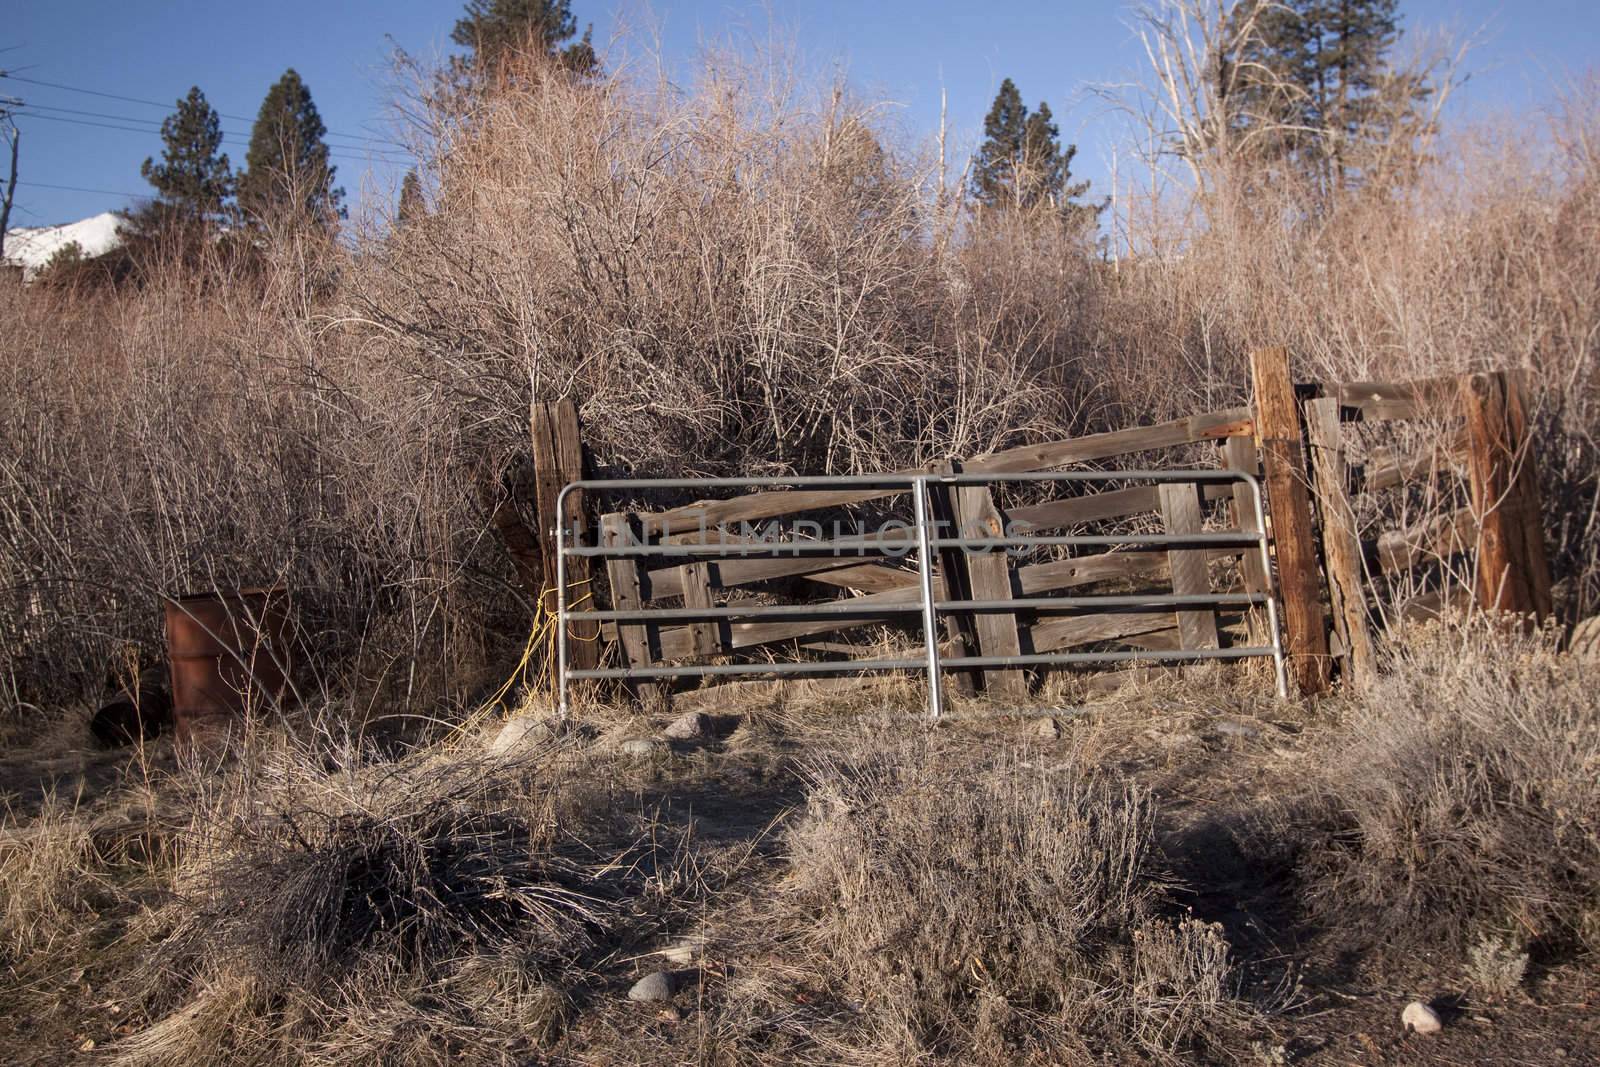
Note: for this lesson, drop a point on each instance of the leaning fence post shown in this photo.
(952, 572)
(989, 578)
(1277, 417)
(1341, 545)
(1513, 570)
(558, 460)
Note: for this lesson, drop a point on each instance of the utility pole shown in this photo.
(14, 137)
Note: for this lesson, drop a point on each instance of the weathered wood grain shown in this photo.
(989, 578)
(1341, 545)
(1513, 569)
(1180, 509)
(1293, 537)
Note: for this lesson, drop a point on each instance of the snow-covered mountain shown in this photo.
(32, 246)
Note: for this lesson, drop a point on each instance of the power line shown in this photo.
(157, 103)
(82, 189)
(237, 140)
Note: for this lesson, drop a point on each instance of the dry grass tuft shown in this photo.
(348, 912)
(1467, 797)
(1004, 910)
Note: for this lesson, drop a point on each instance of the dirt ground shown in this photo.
(1213, 756)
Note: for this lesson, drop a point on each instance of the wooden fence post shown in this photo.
(706, 635)
(958, 626)
(1180, 508)
(635, 639)
(989, 578)
(1341, 545)
(557, 460)
(1513, 570)
(1283, 457)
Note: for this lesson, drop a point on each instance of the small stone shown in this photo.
(688, 726)
(1421, 1018)
(639, 747)
(1047, 729)
(1230, 728)
(657, 985)
(518, 735)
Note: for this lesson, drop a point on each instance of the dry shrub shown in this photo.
(1003, 911)
(368, 913)
(1464, 796)
(49, 875)
(743, 274)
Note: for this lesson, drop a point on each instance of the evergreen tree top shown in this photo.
(1022, 163)
(194, 175)
(288, 166)
(490, 28)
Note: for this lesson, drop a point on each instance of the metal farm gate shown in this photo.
(955, 531)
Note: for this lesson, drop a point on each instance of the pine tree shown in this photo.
(412, 204)
(1313, 87)
(492, 28)
(1022, 163)
(193, 179)
(288, 173)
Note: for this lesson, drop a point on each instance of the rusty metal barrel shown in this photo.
(229, 654)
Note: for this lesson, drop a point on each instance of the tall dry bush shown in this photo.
(740, 275)
(1003, 912)
(1466, 803)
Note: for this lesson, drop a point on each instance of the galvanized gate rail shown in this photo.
(926, 540)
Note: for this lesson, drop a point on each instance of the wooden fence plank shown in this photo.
(1513, 570)
(1283, 458)
(616, 528)
(1203, 427)
(989, 578)
(1387, 471)
(1180, 509)
(1097, 507)
(960, 630)
(1050, 635)
(1341, 544)
(1431, 540)
(695, 578)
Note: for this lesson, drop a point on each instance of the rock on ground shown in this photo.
(519, 734)
(688, 726)
(657, 985)
(1421, 1018)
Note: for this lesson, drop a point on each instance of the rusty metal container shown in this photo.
(229, 654)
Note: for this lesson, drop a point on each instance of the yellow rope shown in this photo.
(542, 635)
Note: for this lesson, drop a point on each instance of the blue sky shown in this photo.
(904, 51)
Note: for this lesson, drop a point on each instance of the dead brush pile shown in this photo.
(404, 912)
(1009, 912)
(1466, 803)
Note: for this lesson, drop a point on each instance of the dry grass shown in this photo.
(1002, 911)
(1464, 800)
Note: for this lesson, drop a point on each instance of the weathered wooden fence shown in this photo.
(1334, 562)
